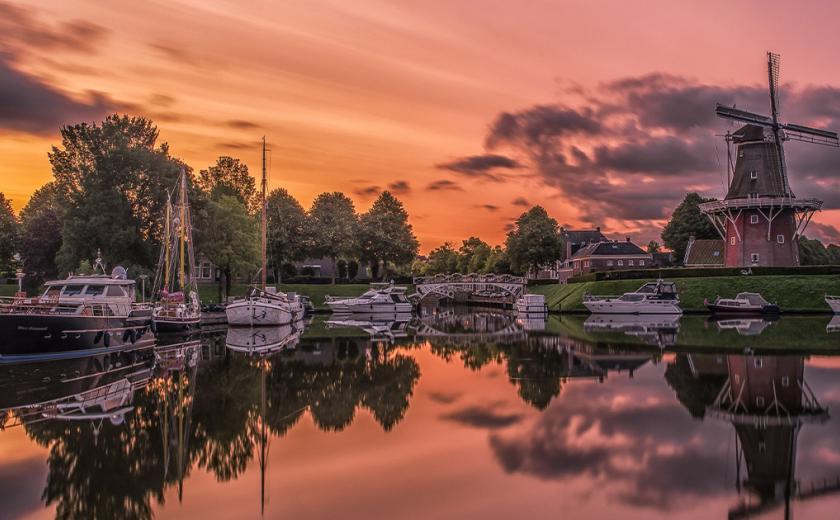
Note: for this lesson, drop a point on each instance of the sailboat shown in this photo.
(265, 306)
(177, 307)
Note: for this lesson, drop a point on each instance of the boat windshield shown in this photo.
(94, 290)
(53, 292)
(752, 298)
(632, 297)
(73, 290)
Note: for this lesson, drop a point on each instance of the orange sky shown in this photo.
(366, 93)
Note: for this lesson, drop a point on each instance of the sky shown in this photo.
(468, 111)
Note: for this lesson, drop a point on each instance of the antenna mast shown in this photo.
(264, 220)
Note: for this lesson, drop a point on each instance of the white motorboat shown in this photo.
(531, 304)
(379, 299)
(743, 303)
(657, 297)
(834, 303)
(265, 305)
(263, 308)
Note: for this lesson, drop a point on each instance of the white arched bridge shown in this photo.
(484, 288)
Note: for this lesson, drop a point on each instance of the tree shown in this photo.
(534, 240)
(229, 176)
(443, 259)
(286, 229)
(115, 179)
(8, 234)
(497, 262)
(470, 248)
(685, 222)
(40, 233)
(653, 247)
(232, 241)
(813, 252)
(385, 234)
(332, 224)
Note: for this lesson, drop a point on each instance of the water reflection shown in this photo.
(615, 408)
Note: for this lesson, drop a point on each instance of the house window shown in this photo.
(753, 175)
(207, 270)
(780, 239)
(753, 219)
(785, 381)
(630, 263)
(609, 263)
(732, 241)
(641, 262)
(754, 258)
(586, 263)
(621, 262)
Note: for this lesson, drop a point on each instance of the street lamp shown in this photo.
(20, 276)
(143, 287)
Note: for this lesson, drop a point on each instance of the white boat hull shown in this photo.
(260, 313)
(616, 306)
(525, 308)
(834, 303)
(368, 308)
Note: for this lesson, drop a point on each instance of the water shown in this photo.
(457, 415)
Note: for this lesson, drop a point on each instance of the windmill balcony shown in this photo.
(717, 206)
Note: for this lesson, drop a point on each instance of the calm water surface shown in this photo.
(458, 414)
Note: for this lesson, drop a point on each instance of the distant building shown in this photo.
(704, 253)
(574, 240)
(609, 256)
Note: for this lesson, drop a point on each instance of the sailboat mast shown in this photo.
(264, 220)
(166, 224)
(183, 220)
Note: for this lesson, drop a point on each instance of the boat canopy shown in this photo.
(752, 298)
(659, 287)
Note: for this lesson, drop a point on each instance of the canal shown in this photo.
(461, 413)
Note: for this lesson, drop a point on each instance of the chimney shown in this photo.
(628, 239)
(598, 229)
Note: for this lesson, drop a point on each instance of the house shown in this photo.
(573, 240)
(609, 256)
(704, 253)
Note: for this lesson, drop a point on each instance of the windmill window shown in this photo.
(758, 362)
(753, 195)
(630, 262)
(732, 241)
(753, 219)
(621, 262)
(740, 153)
(785, 381)
(641, 262)
(754, 258)
(780, 239)
(762, 447)
(759, 401)
(753, 175)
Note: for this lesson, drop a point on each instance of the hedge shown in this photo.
(693, 272)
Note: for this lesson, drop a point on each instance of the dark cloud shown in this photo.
(480, 166)
(241, 124)
(488, 207)
(636, 145)
(521, 201)
(367, 192)
(443, 184)
(236, 145)
(444, 397)
(482, 417)
(400, 187)
(21, 32)
(161, 100)
(174, 53)
(27, 104)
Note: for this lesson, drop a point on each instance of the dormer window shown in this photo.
(753, 175)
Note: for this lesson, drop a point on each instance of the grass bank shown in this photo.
(209, 293)
(792, 293)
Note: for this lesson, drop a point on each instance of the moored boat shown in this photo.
(659, 297)
(379, 299)
(531, 304)
(834, 303)
(743, 303)
(80, 315)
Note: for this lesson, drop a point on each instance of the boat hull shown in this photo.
(834, 303)
(33, 335)
(724, 310)
(368, 308)
(260, 313)
(524, 308)
(614, 306)
(176, 324)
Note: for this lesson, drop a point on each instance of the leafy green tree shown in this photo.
(332, 224)
(385, 234)
(653, 247)
(229, 176)
(813, 252)
(470, 248)
(534, 240)
(443, 259)
(40, 233)
(8, 234)
(685, 222)
(232, 241)
(497, 262)
(286, 229)
(115, 178)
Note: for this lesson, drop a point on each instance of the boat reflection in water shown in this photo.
(744, 326)
(379, 327)
(653, 329)
(834, 324)
(264, 340)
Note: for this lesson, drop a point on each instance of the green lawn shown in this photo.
(791, 293)
(209, 293)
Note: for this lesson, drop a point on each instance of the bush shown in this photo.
(692, 272)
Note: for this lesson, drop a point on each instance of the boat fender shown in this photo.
(107, 339)
(132, 336)
(153, 327)
(97, 338)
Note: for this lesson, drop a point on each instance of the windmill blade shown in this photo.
(811, 135)
(742, 115)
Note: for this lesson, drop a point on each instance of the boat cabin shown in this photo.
(78, 289)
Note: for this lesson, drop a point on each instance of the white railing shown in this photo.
(760, 202)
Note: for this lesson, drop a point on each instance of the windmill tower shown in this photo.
(760, 219)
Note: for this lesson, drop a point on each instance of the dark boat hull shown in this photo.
(28, 335)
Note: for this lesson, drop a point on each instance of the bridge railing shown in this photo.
(469, 278)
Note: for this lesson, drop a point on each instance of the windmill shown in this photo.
(759, 191)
